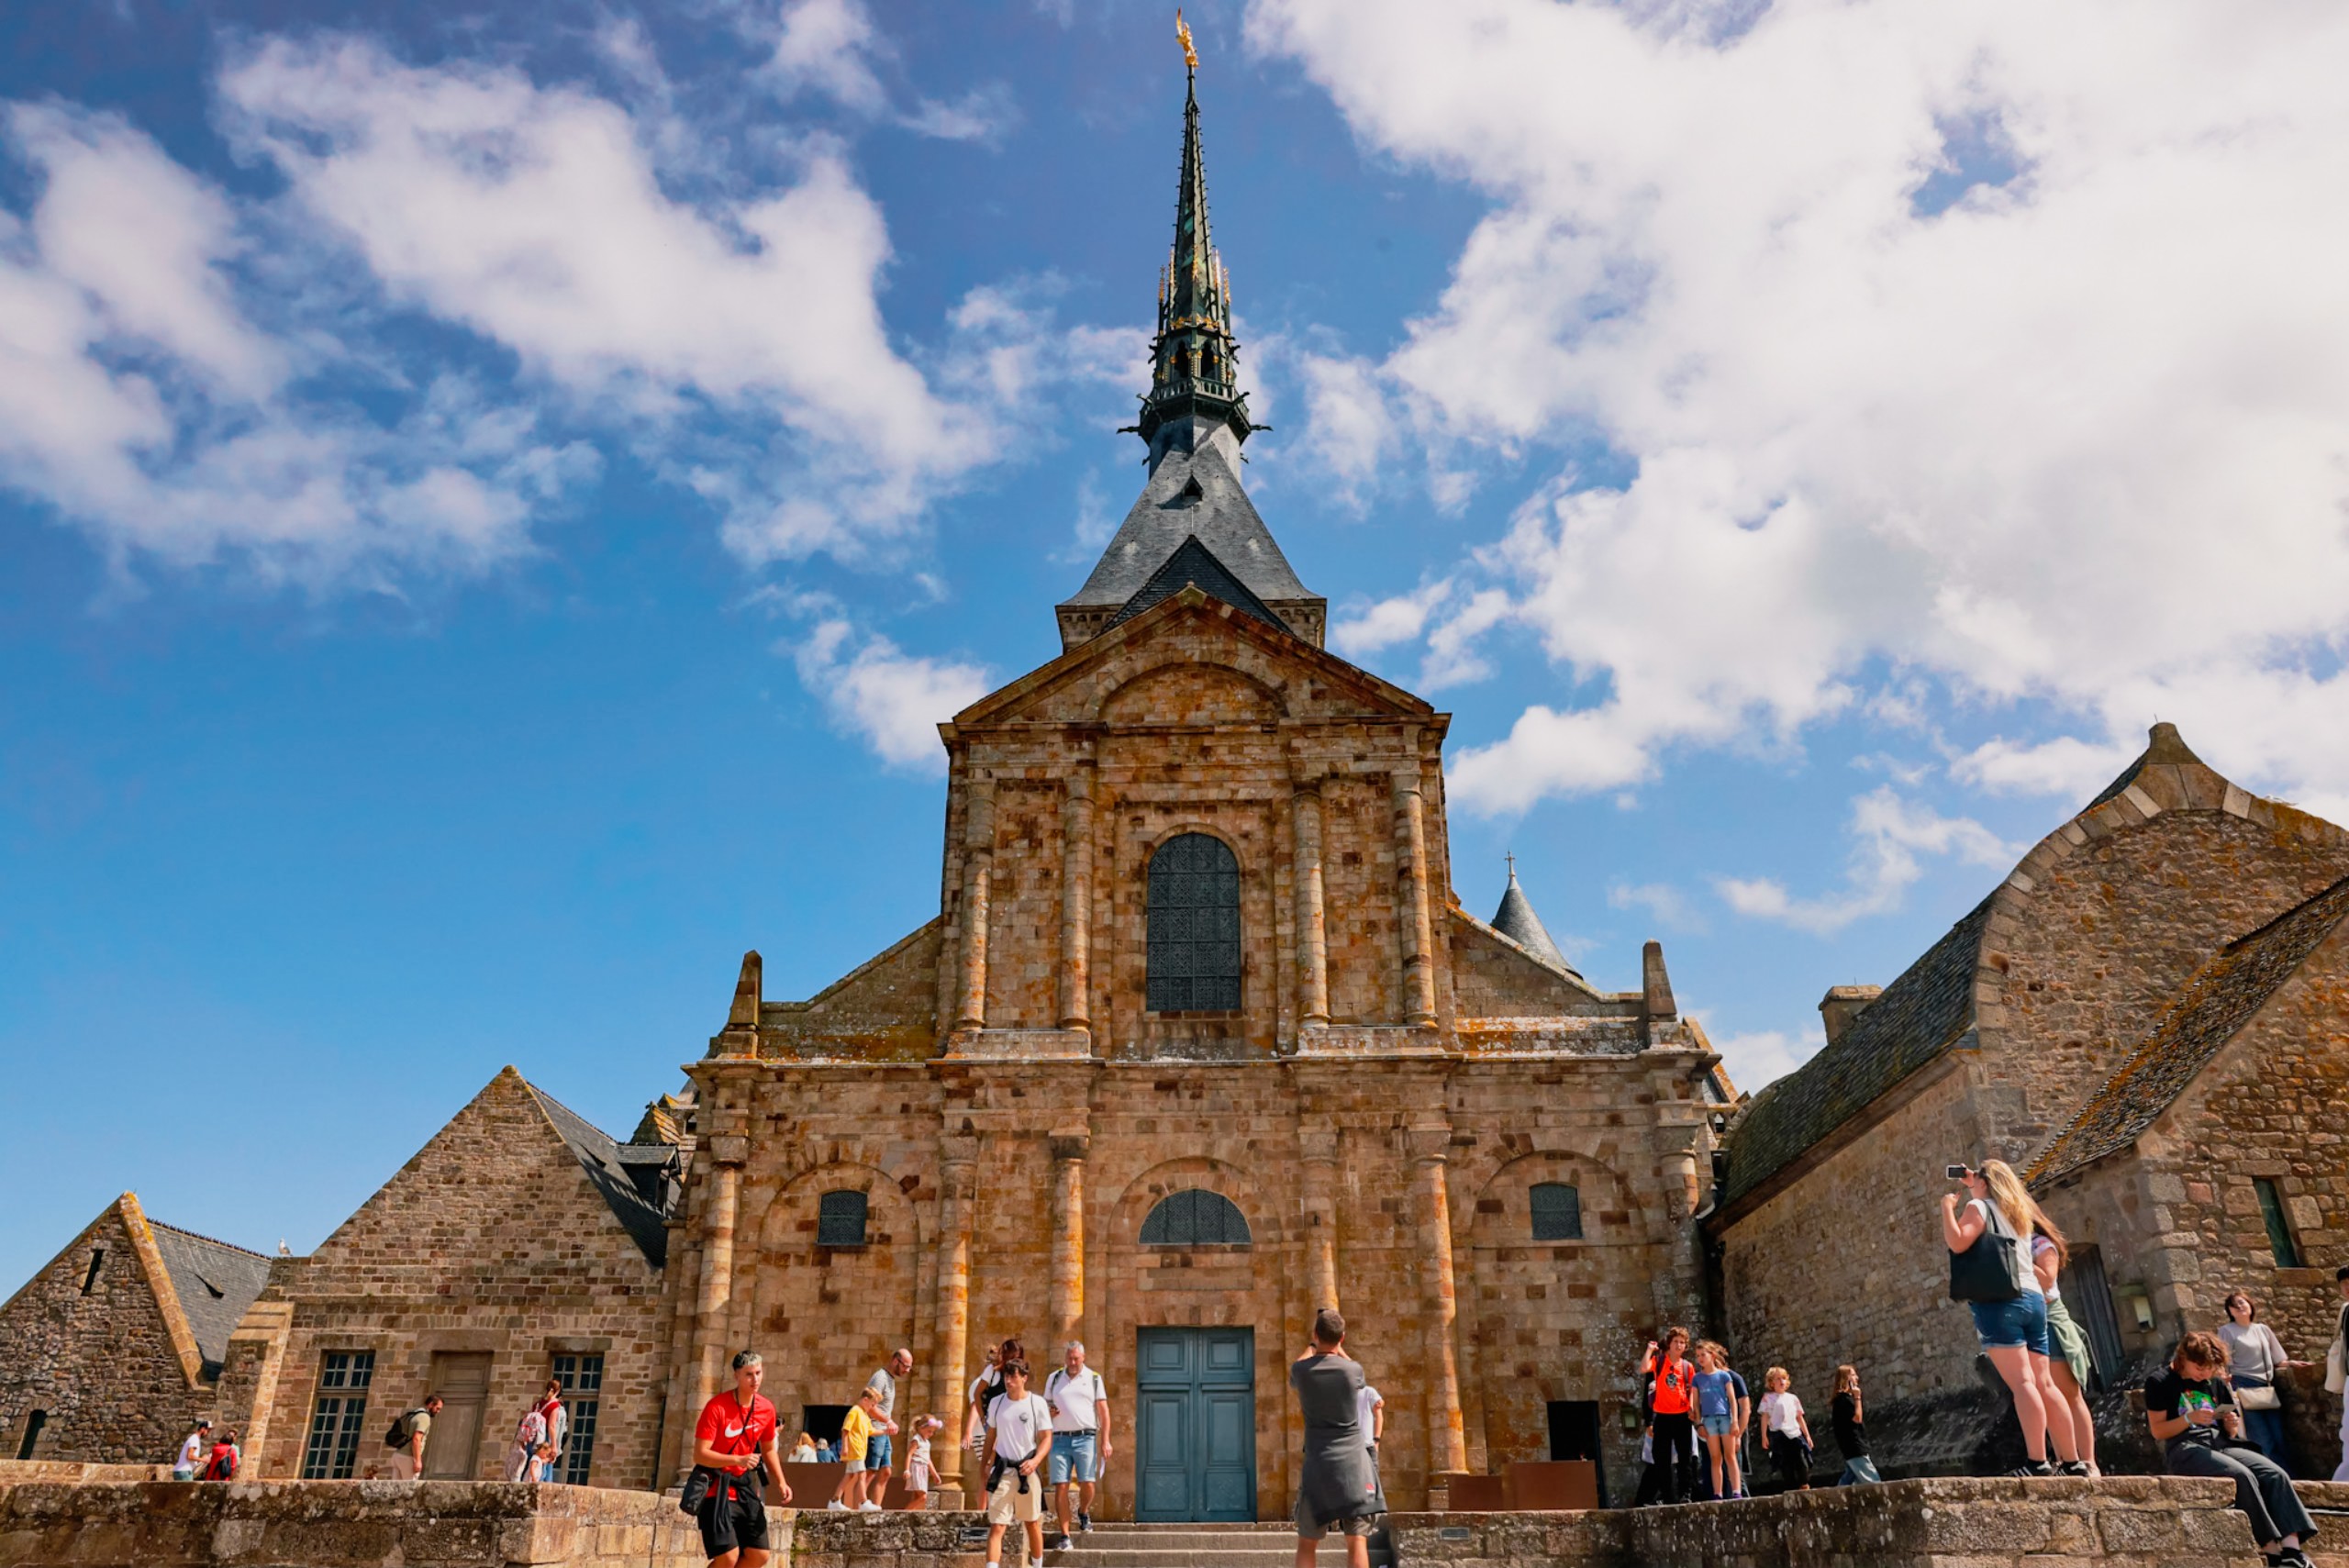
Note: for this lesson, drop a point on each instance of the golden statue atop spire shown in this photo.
(1183, 36)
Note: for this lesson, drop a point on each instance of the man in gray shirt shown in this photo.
(884, 1382)
(1338, 1484)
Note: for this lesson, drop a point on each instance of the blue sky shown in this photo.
(492, 502)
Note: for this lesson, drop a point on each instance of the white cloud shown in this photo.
(2067, 767)
(1889, 834)
(1757, 1056)
(2002, 346)
(1665, 904)
(829, 47)
(1361, 631)
(891, 700)
(139, 401)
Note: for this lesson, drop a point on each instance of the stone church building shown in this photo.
(1200, 1039)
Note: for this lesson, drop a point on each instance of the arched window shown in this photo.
(1194, 952)
(1194, 1217)
(1557, 1212)
(840, 1218)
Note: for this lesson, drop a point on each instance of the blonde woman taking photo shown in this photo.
(2011, 1319)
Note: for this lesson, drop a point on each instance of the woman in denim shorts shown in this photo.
(2013, 1333)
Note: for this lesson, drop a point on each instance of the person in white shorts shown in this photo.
(1374, 1417)
(1019, 1435)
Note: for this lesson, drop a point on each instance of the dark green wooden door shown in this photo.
(1195, 1417)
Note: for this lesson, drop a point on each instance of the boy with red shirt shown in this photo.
(1672, 1405)
(736, 1436)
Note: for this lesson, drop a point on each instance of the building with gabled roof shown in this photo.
(111, 1351)
(1200, 1040)
(1999, 1038)
(519, 1242)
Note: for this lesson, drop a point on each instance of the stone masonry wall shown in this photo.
(2108, 934)
(332, 1524)
(490, 1239)
(102, 1365)
(1848, 1264)
(1845, 1263)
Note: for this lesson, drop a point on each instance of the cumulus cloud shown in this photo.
(2004, 347)
(891, 700)
(1665, 904)
(1754, 1057)
(830, 46)
(139, 399)
(1890, 836)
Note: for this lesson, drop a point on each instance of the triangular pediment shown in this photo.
(1289, 676)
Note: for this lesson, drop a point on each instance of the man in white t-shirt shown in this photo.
(1373, 1417)
(1020, 1434)
(1080, 1403)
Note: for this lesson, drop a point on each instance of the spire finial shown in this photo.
(1183, 36)
(1511, 856)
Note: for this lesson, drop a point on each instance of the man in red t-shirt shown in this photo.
(736, 1436)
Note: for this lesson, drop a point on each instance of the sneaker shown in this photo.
(2074, 1467)
(2031, 1470)
(1084, 1522)
(836, 1506)
(1056, 1542)
(868, 1506)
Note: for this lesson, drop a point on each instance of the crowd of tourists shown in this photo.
(1705, 1438)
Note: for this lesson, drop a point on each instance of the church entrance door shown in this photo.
(1196, 1421)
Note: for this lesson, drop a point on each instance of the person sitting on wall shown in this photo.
(2191, 1411)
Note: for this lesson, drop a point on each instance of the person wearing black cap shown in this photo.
(191, 1456)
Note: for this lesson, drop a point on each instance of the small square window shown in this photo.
(839, 1220)
(1557, 1212)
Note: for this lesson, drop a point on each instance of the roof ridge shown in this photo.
(200, 1236)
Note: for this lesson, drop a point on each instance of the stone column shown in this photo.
(1312, 928)
(978, 864)
(1068, 1241)
(1411, 891)
(717, 1267)
(1319, 1147)
(1447, 1444)
(949, 1348)
(1077, 899)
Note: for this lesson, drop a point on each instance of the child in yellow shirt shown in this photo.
(856, 1428)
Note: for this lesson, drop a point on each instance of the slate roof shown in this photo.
(2223, 997)
(609, 1165)
(1920, 1016)
(1194, 564)
(1516, 921)
(1171, 507)
(214, 1282)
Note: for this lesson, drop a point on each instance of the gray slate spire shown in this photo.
(1518, 922)
(1193, 419)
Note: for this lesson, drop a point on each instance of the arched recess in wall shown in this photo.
(1185, 690)
(824, 1315)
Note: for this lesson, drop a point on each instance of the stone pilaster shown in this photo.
(1068, 1238)
(1447, 1444)
(958, 1165)
(1319, 1147)
(1077, 899)
(727, 1153)
(1417, 938)
(978, 867)
(1312, 925)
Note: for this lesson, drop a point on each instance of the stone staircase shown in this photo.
(1232, 1545)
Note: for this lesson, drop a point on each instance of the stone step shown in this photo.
(1174, 1555)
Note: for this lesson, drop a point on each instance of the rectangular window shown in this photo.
(582, 1377)
(90, 1280)
(1557, 1212)
(2279, 1230)
(339, 1415)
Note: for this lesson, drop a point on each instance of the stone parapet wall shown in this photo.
(13, 1470)
(344, 1524)
(934, 1540)
(2135, 1522)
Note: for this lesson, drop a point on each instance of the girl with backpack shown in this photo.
(225, 1460)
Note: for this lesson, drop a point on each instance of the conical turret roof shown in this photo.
(1518, 922)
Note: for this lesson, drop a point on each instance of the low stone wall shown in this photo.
(343, 1524)
(15, 1470)
(931, 1540)
(2126, 1522)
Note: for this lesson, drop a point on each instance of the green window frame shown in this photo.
(2280, 1240)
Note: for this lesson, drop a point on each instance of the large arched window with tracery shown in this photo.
(1194, 948)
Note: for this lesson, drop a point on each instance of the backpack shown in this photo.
(403, 1430)
(223, 1466)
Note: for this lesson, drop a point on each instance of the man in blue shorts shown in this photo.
(1080, 1404)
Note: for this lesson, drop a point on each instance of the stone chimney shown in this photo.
(1842, 1005)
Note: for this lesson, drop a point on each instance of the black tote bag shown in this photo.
(1989, 1269)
